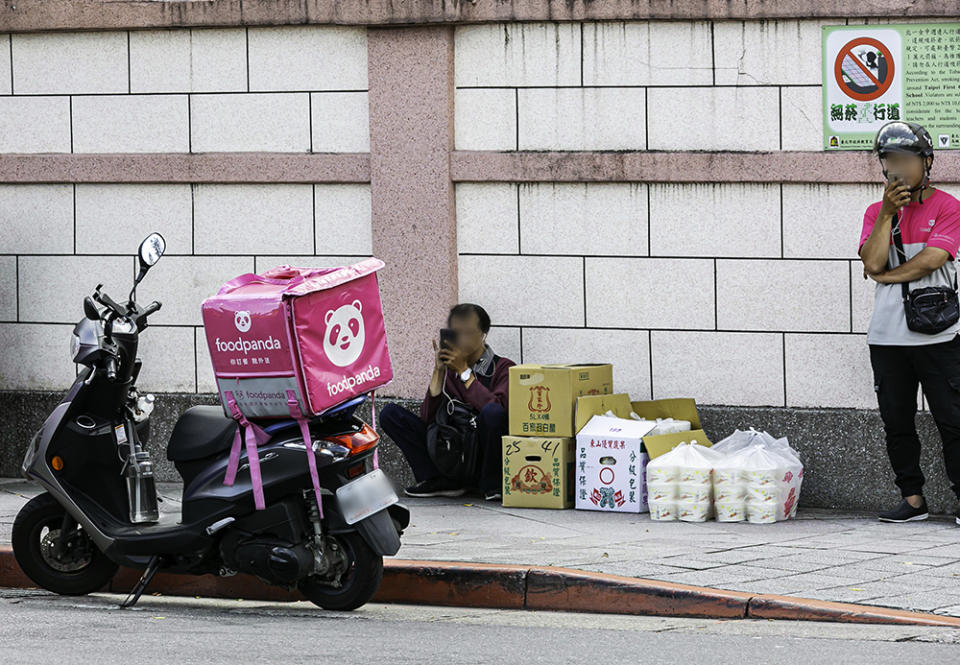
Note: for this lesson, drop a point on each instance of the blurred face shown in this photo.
(469, 335)
(909, 167)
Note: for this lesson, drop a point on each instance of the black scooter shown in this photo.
(100, 509)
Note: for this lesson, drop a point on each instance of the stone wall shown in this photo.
(845, 464)
(637, 183)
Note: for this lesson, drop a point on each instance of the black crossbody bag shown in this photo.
(452, 439)
(930, 309)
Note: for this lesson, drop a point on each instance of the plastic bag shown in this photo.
(763, 479)
(730, 510)
(664, 425)
(679, 483)
(792, 476)
(766, 491)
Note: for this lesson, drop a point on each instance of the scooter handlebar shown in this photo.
(151, 308)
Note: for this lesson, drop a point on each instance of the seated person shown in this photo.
(468, 371)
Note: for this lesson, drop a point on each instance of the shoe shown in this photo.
(434, 487)
(495, 495)
(905, 513)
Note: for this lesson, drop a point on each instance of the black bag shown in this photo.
(452, 441)
(930, 309)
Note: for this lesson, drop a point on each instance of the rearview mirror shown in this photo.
(151, 249)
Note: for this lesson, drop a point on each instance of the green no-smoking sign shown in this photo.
(874, 74)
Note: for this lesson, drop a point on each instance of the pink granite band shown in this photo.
(223, 167)
(42, 15)
(464, 165)
(686, 166)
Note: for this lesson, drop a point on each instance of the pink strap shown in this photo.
(253, 436)
(373, 424)
(297, 414)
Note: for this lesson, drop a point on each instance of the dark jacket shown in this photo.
(491, 385)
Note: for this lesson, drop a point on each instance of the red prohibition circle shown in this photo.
(882, 86)
(612, 476)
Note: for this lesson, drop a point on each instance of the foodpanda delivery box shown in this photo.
(292, 343)
(317, 332)
(611, 465)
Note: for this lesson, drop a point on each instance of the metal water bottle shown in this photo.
(141, 488)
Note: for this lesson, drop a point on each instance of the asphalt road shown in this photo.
(41, 629)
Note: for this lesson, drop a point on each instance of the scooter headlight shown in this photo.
(74, 346)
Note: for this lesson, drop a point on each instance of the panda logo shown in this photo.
(241, 320)
(344, 336)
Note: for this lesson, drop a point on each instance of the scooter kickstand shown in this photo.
(141, 585)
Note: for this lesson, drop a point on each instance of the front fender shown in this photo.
(381, 530)
(401, 515)
(380, 533)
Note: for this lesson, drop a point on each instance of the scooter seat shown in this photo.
(200, 432)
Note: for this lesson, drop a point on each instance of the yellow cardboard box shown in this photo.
(543, 397)
(679, 408)
(538, 472)
(589, 406)
(664, 443)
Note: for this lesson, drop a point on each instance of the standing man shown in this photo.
(928, 222)
(469, 372)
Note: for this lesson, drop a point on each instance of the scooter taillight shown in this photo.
(357, 442)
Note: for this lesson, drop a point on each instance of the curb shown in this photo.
(518, 587)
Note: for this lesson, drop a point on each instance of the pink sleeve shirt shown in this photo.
(934, 223)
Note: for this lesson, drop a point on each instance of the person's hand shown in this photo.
(895, 196)
(453, 358)
(879, 277)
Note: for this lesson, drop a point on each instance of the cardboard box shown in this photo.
(538, 472)
(655, 446)
(611, 465)
(589, 406)
(679, 408)
(543, 397)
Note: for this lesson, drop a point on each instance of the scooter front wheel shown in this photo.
(72, 568)
(358, 583)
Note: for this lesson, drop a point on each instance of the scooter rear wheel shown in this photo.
(79, 570)
(358, 584)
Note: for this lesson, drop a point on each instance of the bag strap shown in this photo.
(253, 436)
(902, 256)
(297, 414)
(373, 426)
(900, 253)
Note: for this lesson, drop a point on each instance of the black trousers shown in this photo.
(897, 371)
(409, 432)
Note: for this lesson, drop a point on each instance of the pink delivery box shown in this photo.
(317, 332)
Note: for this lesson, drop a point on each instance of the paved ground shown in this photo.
(823, 554)
(42, 629)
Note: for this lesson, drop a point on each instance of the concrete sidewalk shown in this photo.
(826, 555)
